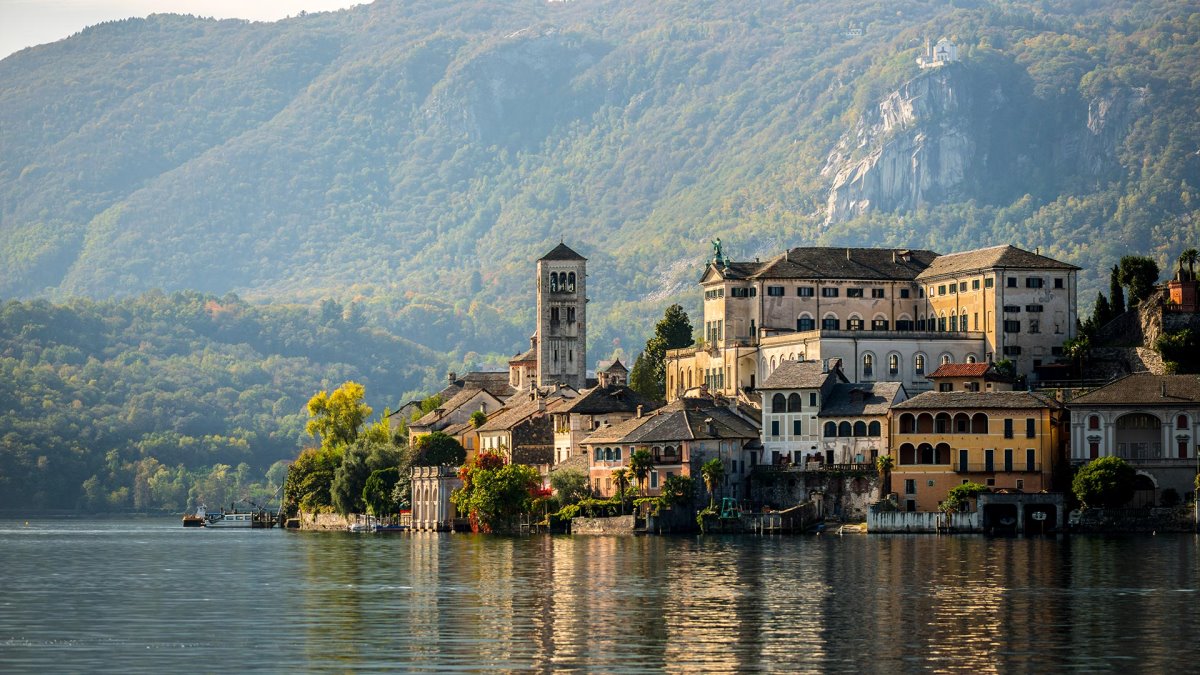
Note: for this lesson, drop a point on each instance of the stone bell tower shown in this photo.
(562, 318)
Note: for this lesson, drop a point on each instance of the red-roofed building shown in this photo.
(970, 377)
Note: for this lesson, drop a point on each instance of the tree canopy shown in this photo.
(1104, 482)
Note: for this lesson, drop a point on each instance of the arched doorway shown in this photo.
(1144, 492)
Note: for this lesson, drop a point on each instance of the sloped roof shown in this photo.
(616, 367)
(493, 382)
(510, 416)
(955, 400)
(799, 375)
(530, 356)
(960, 370)
(457, 429)
(734, 271)
(871, 399)
(562, 252)
(577, 462)
(1004, 256)
(613, 433)
(686, 419)
(826, 262)
(1144, 389)
(463, 397)
(598, 400)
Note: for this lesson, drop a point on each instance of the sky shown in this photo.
(24, 23)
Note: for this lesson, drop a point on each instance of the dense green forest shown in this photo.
(376, 184)
(158, 401)
(417, 156)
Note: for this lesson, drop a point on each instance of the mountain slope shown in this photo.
(419, 156)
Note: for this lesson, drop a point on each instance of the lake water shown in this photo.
(148, 596)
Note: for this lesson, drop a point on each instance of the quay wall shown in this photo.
(922, 522)
(613, 525)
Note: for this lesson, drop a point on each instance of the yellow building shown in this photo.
(1002, 439)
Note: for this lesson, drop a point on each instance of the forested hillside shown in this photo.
(417, 156)
(151, 401)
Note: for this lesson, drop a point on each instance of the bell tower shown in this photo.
(562, 318)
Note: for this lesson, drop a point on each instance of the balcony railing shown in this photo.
(997, 467)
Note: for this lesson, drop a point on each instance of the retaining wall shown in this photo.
(613, 525)
(923, 521)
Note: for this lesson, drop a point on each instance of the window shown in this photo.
(739, 292)
(962, 287)
(778, 403)
(910, 488)
(1011, 282)
(653, 480)
(919, 364)
(879, 324)
(570, 315)
(1008, 428)
(1030, 428)
(1030, 456)
(1008, 459)
(830, 323)
(1181, 422)
(860, 429)
(1058, 283)
(829, 292)
(775, 428)
(805, 323)
(796, 429)
(989, 460)
(1093, 449)
(877, 293)
(1034, 282)
(553, 315)
(1034, 326)
(775, 291)
(1012, 351)
(793, 402)
(941, 289)
(854, 292)
(1012, 326)
(974, 284)
(945, 386)
(805, 291)
(1094, 422)
(812, 400)
(1033, 308)
(854, 324)
(904, 293)
(953, 289)
(893, 364)
(874, 429)
(1009, 309)
(988, 282)
(868, 365)
(844, 430)
(904, 324)
(830, 430)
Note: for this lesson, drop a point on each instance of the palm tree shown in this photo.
(640, 463)
(1189, 258)
(713, 472)
(621, 478)
(884, 465)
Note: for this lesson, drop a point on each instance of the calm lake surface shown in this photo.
(148, 596)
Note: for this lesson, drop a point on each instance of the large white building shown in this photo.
(891, 315)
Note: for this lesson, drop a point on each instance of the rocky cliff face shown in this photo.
(962, 132)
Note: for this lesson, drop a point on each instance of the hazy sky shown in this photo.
(24, 23)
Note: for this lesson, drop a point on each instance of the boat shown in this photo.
(260, 518)
(196, 519)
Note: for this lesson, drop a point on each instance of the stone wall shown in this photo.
(613, 525)
(324, 521)
(1176, 519)
(879, 521)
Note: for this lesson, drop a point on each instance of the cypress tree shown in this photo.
(1117, 292)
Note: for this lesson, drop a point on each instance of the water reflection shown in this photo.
(275, 601)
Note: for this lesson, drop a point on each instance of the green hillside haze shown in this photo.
(412, 160)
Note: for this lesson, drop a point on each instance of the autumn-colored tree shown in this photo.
(337, 418)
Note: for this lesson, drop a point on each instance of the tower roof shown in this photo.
(562, 252)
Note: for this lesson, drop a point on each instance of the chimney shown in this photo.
(1164, 388)
(847, 254)
(639, 411)
(893, 257)
(709, 427)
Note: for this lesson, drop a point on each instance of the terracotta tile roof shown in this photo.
(799, 375)
(562, 252)
(956, 400)
(613, 433)
(1005, 256)
(960, 370)
(511, 415)
(1144, 389)
(851, 400)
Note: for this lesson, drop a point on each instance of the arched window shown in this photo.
(970, 358)
(617, 453)
(925, 423)
(553, 282)
(953, 322)
(608, 454)
(860, 429)
(979, 423)
(874, 429)
(946, 358)
(599, 454)
(908, 423)
(893, 364)
(868, 365)
(793, 403)
(919, 364)
(908, 454)
(962, 423)
(941, 423)
(830, 430)
(1094, 422)
(778, 403)
(1181, 422)
(772, 364)
(805, 323)
(845, 430)
(942, 454)
(571, 282)
(925, 454)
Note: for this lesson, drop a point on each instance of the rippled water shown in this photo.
(149, 596)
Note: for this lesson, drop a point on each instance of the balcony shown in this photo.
(814, 467)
